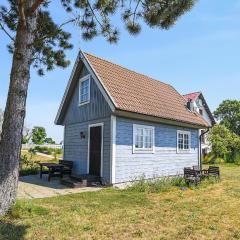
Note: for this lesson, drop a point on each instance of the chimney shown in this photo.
(190, 105)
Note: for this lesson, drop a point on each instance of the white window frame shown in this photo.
(86, 78)
(189, 141)
(143, 150)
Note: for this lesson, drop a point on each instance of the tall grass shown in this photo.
(157, 185)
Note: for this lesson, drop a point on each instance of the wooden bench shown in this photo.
(191, 176)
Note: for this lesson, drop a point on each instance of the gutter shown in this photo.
(200, 147)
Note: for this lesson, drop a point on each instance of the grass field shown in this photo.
(210, 211)
(38, 157)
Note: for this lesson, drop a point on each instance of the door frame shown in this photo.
(101, 124)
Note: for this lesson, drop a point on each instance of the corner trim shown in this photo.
(113, 149)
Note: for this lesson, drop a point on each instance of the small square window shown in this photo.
(84, 90)
(183, 141)
(143, 138)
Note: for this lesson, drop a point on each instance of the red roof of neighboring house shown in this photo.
(191, 96)
(137, 93)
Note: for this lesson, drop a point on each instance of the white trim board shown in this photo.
(189, 142)
(67, 89)
(113, 149)
(87, 77)
(101, 124)
(150, 150)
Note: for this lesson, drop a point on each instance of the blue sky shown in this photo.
(200, 53)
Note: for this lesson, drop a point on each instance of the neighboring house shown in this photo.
(199, 105)
(121, 125)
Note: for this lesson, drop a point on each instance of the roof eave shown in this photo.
(145, 117)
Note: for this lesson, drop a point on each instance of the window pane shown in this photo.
(84, 91)
(186, 141)
(180, 141)
(139, 138)
(148, 138)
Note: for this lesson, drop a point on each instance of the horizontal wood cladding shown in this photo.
(164, 162)
(76, 149)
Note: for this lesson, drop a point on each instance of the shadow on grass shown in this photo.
(10, 231)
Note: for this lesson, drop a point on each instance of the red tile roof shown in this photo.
(191, 96)
(137, 93)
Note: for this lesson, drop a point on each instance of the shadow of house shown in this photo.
(10, 231)
(36, 180)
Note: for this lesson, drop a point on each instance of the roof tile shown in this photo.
(138, 93)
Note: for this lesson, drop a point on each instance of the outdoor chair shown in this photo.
(213, 171)
(67, 167)
(191, 176)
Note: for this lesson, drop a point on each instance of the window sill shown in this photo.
(143, 151)
(83, 103)
(183, 151)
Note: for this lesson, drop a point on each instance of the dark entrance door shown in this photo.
(95, 150)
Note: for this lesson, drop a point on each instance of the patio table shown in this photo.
(201, 172)
(54, 170)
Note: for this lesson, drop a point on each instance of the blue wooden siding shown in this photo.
(76, 149)
(96, 108)
(77, 119)
(165, 161)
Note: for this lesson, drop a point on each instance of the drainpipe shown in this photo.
(200, 147)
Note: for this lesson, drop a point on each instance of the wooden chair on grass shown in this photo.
(191, 176)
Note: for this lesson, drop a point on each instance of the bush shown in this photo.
(219, 160)
(231, 157)
(47, 150)
(209, 159)
(236, 157)
(157, 185)
(28, 166)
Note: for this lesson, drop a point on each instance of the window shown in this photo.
(84, 90)
(143, 139)
(201, 111)
(183, 141)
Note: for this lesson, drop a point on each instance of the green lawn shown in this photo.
(207, 212)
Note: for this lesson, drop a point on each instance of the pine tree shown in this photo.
(37, 41)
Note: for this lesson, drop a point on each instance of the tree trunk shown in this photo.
(14, 114)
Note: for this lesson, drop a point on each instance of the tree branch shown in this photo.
(94, 15)
(35, 6)
(53, 34)
(134, 15)
(2, 27)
